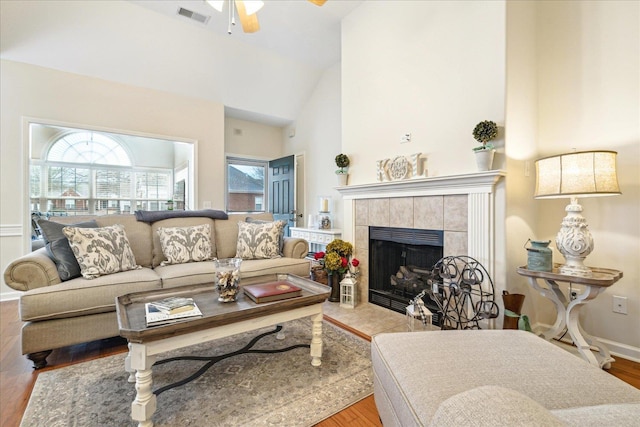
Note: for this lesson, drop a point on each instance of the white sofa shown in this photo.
(60, 313)
(493, 378)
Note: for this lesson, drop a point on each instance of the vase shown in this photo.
(484, 159)
(342, 179)
(513, 303)
(227, 278)
(334, 282)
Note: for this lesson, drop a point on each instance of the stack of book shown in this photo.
(273, 291)
(170, 310)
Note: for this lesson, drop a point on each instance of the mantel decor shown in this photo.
(400, 168)
(573, 175)
(484, 132)
(342, 161)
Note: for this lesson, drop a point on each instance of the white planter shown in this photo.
(342, 179)
(484, 159)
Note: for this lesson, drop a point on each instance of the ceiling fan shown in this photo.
(247, 12)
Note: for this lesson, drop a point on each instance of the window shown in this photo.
(91, 173)
(246, 185)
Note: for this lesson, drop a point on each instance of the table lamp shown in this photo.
(573, 175)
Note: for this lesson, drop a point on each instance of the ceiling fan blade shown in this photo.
(318, 2)
(249, 22)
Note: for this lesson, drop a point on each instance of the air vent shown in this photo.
(411, 236)
(203, 19)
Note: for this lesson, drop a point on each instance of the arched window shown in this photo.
(88, 172)
(90, 148)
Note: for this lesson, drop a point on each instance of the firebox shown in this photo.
(400, 262)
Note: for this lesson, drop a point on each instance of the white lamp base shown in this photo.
(574, 241)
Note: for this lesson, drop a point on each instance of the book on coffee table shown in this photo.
(273, 291)
(156, 317)
(174, 305)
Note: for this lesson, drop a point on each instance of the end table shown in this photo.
(568, 311)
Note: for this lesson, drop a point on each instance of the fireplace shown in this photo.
(400, 260)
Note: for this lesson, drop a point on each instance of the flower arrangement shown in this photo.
(337, 258)
(342, 161)
(484, 132)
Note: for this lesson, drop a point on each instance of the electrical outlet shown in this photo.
(619, 304)
(406, 137)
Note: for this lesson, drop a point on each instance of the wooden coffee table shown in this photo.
(219, 320)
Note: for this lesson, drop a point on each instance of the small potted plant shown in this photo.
(342, 161)
(484, 132)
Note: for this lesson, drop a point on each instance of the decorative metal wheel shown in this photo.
(464, 292)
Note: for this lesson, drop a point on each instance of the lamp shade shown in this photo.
(579, 174)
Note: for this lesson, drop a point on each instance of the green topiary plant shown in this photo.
(342, 161)
(484, 132)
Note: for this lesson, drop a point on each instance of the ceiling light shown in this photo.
(252, 6)
(247, 12)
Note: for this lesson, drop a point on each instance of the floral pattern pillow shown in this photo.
(185, 244)
(101, 251)
(281, 224)
(258, 241)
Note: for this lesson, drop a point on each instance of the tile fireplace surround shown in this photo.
(463, 206)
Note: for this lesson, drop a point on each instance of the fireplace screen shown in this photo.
(401, 261)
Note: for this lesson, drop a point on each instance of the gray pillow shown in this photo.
(59, 249)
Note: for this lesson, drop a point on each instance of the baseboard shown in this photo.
(622, 350)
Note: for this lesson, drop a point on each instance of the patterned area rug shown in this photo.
(279, 389)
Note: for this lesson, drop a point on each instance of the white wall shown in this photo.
(589, 98)
(31, 91)
(521, 150)
(124, 42)
(317, 134)
(434, 69)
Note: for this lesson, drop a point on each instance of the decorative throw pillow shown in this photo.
(257, 241)
(58, 247)
(101, 251)
(278, 223)
(185, 244)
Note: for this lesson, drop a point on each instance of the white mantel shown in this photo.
(481, 182)
(479, 187)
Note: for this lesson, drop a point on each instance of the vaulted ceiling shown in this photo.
(265, 76)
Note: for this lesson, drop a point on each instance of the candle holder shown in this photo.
(324, 205)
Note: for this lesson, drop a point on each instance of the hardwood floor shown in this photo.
(17, 376)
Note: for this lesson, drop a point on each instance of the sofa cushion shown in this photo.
(185, 244)
(515, 359)
(158, 256)
(258, 241)
(78, 297)
(138, 233)
(226, 233)
(619, 415)
(194, 273)
(492, 406)
(58, 247)
(101, 251)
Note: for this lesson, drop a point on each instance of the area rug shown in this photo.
(256, 389)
